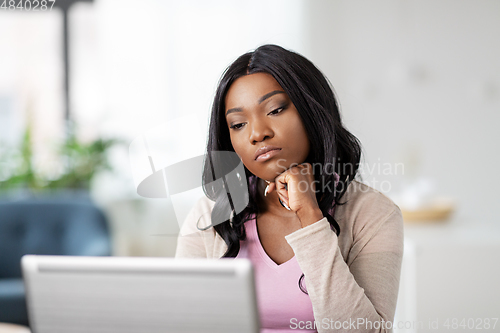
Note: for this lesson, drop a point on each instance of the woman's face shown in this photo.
(258, 114)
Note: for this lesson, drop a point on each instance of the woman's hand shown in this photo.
(296, 189)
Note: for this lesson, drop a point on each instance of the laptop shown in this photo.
(70, 294)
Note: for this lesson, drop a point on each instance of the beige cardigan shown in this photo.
(353, 279)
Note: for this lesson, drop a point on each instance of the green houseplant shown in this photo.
(81, 161)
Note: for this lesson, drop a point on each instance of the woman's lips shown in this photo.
(268, 155)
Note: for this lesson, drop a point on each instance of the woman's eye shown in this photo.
(275, 111)
(278, 110)
(236, 126)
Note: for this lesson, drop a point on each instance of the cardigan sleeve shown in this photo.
(357, 296)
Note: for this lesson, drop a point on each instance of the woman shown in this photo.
(320, 264)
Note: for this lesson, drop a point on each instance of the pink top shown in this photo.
(282, 305)
(353, 275)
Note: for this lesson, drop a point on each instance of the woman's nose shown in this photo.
(260, 130)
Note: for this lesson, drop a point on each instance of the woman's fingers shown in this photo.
(296, 188)
(271, 187)
(281, 189)
(282, 186)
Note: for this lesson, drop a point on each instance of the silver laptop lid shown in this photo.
(68, 294)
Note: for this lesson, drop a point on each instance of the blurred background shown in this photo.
(418, 83)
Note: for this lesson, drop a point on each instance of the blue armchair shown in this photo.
(44, 226)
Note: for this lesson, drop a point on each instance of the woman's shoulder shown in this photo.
(361, 195)
(366, 205)
(203, 205)
(197, 238)
(199, 216)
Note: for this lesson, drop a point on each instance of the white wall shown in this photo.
(142, 66)
(134, 65)
(419, 82)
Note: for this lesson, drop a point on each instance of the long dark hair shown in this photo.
(332, 147)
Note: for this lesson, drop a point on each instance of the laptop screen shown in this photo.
(131, 294)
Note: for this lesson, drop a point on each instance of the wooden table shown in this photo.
(11, 328)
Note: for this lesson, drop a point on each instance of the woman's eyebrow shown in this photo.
(262, 99)
(272, 93)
